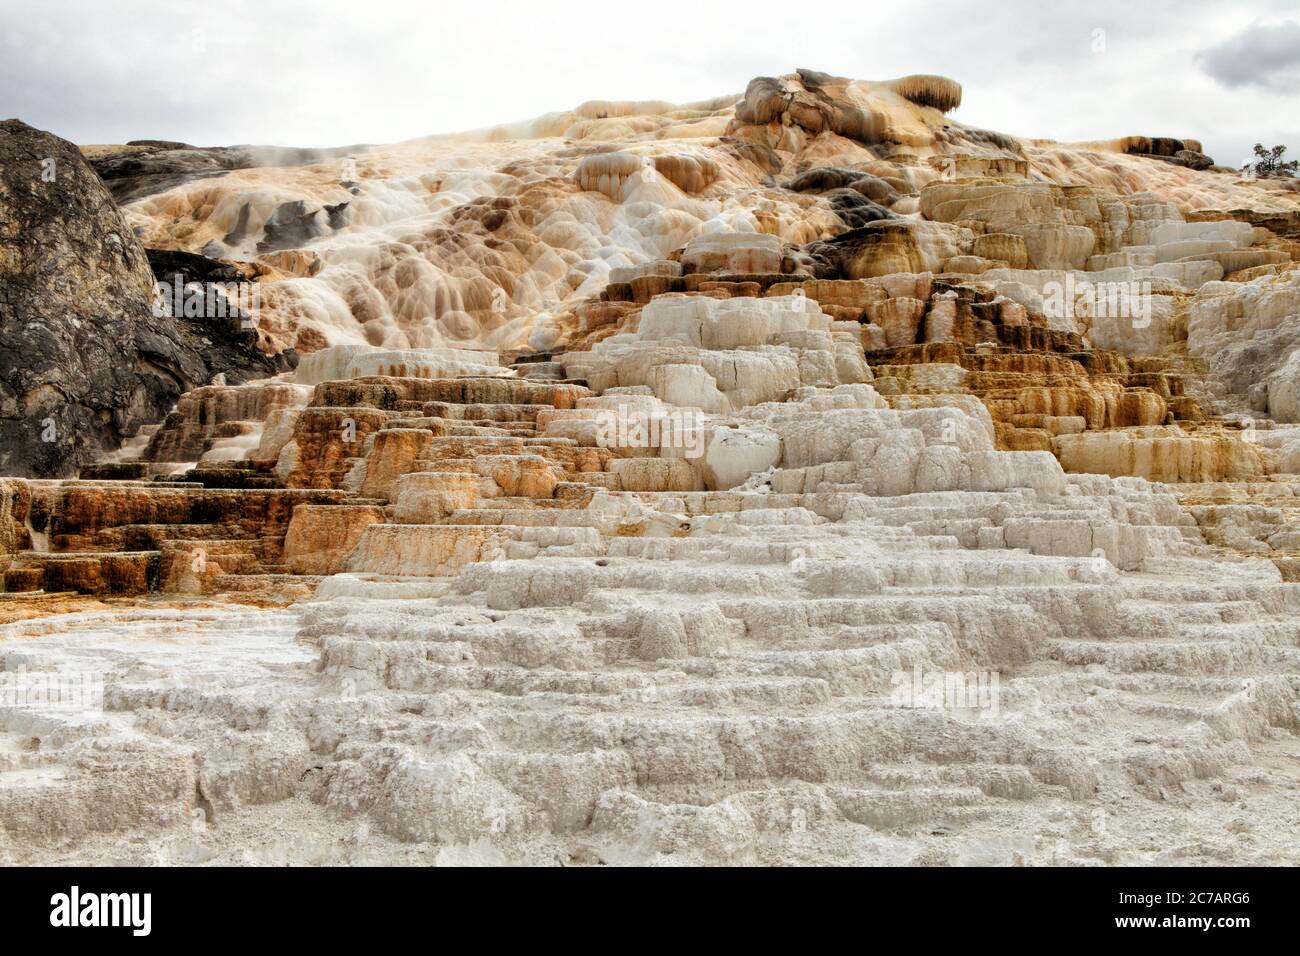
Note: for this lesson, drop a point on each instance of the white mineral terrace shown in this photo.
(875, 639)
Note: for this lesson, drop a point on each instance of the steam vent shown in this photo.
(797, 476)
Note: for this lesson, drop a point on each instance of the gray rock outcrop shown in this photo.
(84, 361)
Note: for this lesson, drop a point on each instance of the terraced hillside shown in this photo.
(796, 477)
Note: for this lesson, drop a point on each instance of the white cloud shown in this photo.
(1264, 54)
(331, 72)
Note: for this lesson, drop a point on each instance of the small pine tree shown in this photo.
(1269, 162)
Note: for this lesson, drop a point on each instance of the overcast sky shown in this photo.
(336, 72)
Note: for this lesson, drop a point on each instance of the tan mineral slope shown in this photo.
(483, 239)
(830, 518)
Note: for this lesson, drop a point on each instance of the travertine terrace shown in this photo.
(794, 477)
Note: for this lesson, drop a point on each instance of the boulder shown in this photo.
(85, 356)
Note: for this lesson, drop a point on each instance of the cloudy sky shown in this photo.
(334, 72)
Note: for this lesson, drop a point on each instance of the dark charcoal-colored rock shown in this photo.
(1165, 146)
(339, 215)
(83, 359)
(875, 189)
(240, 230)
(115, 471)
(1192, 159)
(816, 78)
(1169, 150)
(164, 263)
(293, 224)
(844, 256)
(147, 169)
(153, 166)
(159, 143)
(1189, 158)
(822, 178)
(1002, 141)
(855, 210)
(223, 332)
(825, 178)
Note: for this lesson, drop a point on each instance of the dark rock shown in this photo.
(1192, 159)
(987, 137)
(84, 361)
(339, 215)
(142, 172)
(855, 210)
(1167, 149)
(875, 189)
(159, 143)
(842, 256)
(824, 178)
(146, 167)
(240, 230)
(812, 78)
(292, 224)
(223, 334)
(196, 268)
(1165, 146)
(1188, 158)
